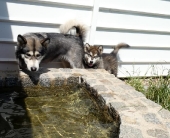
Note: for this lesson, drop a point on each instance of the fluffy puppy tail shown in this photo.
(119, 46)
(74, 27)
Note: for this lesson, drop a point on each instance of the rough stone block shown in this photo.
(168, 124)
(106, 82)
(98, 75)
(26, 82)
(135, 93)
(66, 70)
(59, 81)
(116, 89)
(130, 132)
(100, 88)
(158, 133)
(44, 80)
(91, 82)
(73, 80)
(119, 106)
(109, 76)
(151, 103)
(151, 117)
(126, 97)
(164, 113)
(139, 106)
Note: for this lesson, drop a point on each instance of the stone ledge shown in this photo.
(140, 117)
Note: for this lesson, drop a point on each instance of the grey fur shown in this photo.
(60, 46)
(93, 57)
(110, 60)
(98, 65)
(106, 61)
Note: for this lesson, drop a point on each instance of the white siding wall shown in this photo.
(143, 24)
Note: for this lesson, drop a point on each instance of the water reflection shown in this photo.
(66, 113)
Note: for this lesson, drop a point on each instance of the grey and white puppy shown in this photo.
(96, 59)
(93, 57)
(32, 48)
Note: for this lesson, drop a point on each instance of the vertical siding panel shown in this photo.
(94, 21)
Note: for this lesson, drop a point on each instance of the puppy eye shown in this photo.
(28, 55)
(38, 55)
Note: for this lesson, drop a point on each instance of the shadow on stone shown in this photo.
(35, 76)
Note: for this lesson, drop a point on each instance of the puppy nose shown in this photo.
(33, 68)
(91, 62)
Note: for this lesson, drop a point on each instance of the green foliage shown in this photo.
(136, 83)
(156, 89)
(159, 91)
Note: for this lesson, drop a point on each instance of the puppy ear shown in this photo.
(21, 41)
(86, 47)
(45, 41)
(100, 49)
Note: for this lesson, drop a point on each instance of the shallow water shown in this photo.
(52, 113)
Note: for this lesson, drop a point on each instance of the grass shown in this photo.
(136, 83)
(156, 89)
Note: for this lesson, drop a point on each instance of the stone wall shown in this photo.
(140, 117)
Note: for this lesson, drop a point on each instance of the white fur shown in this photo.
(89, 58)
(69, 28)
(32, 61)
